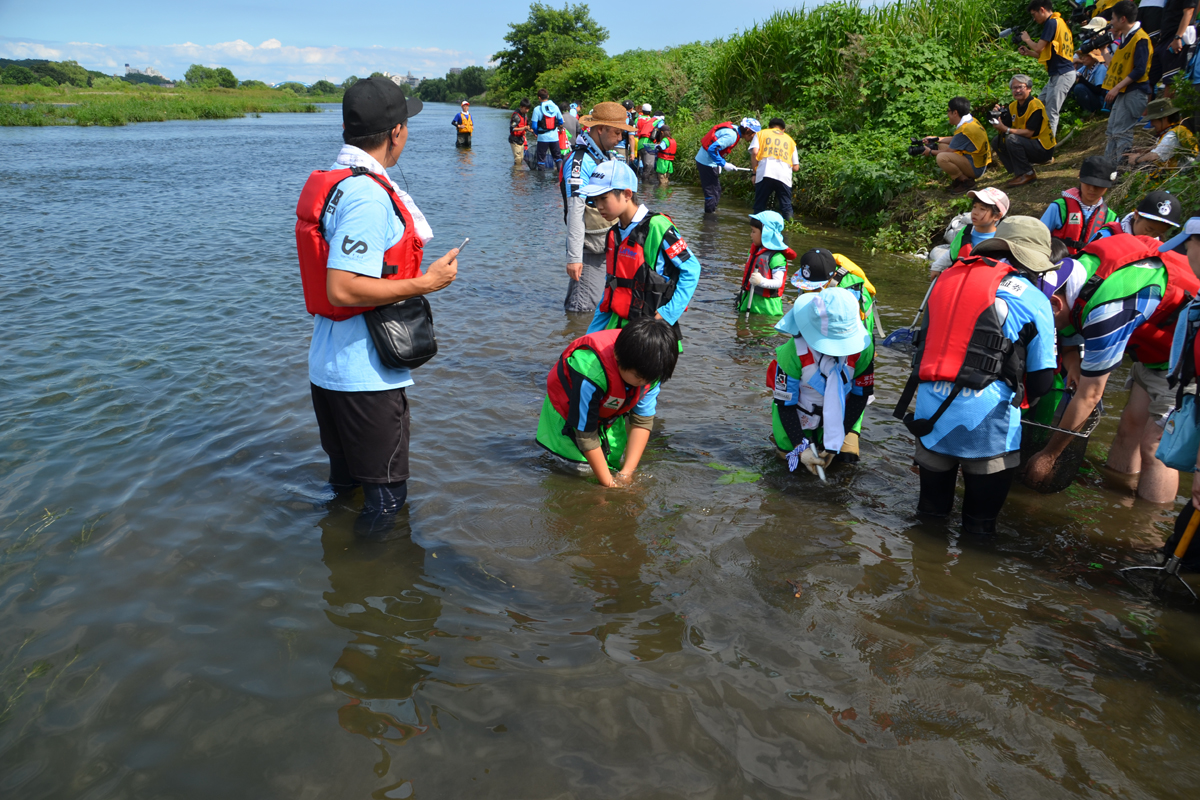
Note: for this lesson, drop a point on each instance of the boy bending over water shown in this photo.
(599, 381)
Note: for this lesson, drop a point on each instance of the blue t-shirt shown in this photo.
(726, 137)
(645, 407)
(360, 225)
(683, 259)
(984, 423)
(546, 110)
(977, 237)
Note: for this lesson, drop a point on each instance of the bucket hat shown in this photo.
(611, 175)
(1026, 238)
(375, 105)
(1161, 206)
(772, 229)
(816, 267)
(610, 114)
(1162, 107)
(829, 321)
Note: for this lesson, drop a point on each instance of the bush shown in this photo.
(48, 81)
(18, 75)
(324, 87)
(225, 78)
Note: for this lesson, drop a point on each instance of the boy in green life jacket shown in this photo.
(766, 268)
(600, 381)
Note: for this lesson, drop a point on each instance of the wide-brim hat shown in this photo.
(829, 321)
(772, 229)
(1157, 109)
(610, 114)
(1026, 239)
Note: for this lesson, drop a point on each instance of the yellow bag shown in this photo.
(853, 269)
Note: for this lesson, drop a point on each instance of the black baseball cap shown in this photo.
(375, 105)
(816, 267)
(1097, 171)
(1160, 206)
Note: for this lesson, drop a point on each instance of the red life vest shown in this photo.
(632, 289)
(668, 153)
(962, 339)
(645, 127)
(524, 123)
(562, 138)
(1073, 231)
(764, 269)
(619, 398)
(1151, 341)
(711, 137)
(401, 261)
(546, 123)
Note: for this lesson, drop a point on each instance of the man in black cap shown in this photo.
(1081, 213)
(360, 240)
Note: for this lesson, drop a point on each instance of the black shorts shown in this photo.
(367, 430)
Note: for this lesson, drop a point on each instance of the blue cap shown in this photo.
(610, 176)
(750, 123)
(1190, 228)
(772, 229)
(829, 321)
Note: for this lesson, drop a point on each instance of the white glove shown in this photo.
(756, 279)
(815, 463)
(729, 167)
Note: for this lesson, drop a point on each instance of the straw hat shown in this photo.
(611, 115)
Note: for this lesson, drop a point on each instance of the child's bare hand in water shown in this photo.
(621, 480)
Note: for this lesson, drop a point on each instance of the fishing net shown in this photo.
(1036, 434)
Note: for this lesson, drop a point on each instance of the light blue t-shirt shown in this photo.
(546, 109)
(726, 137)
(984, 423)
(360, 225)
(977, 237)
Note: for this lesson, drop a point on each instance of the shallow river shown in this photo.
(183, 613)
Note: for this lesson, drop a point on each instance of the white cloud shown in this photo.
(270, 61)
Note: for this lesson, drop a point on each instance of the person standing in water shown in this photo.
(465, 125)
(360, 241)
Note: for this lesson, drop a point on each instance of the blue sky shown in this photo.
(307, 40)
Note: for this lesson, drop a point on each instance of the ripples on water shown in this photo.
(183, 613)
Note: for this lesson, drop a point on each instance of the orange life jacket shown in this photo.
(401, 261)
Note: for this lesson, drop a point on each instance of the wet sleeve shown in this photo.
(638, 421)
(673, 247)
(357, 229)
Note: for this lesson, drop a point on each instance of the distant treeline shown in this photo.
(47, 73)
(469, 84)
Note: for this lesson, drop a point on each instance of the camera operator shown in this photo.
(1128, 79)
(1053, 50)
(965, 154)
(1024, 137)
(1089, 76)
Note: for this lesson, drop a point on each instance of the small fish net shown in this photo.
(1035, 435)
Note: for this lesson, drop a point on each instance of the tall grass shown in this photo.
(39, 105)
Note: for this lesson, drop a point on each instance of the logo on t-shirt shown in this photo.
(351, 247)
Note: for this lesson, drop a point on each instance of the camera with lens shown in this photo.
(1007, 32)
(917, 148)
(994, 115)
(1098, 42)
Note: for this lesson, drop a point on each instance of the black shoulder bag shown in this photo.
(403, 333)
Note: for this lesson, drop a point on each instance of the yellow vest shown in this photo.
(1186, 146)
(1102, 6)
(467, 125)
(978, 136)
(1045, 136)
(777, 145)
(1122, 60)
(1062, 43)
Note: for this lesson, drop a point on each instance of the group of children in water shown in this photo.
(602, 394)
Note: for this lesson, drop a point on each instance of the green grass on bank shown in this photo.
(67, 105)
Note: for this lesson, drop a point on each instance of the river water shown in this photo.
(183, 612)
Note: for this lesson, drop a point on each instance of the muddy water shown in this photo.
(183, 613)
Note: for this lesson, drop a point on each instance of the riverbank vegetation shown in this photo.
(853, 82)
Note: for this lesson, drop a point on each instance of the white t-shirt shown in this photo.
(773, 167)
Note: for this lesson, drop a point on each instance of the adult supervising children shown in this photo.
(1054, 49)
(518, 126)
(464, 124)
(651, 271)
(986, 341)
(546, 120)
(1128, 79)
(715, 147)
(586, 227)
(773, 158)
(1025, 136)
(963, 155)
(360, 241)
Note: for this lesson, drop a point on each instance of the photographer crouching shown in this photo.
(963, 155)
(1025, 137)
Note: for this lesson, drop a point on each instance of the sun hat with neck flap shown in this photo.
(375, 105)
(610, 114)
(829, 321)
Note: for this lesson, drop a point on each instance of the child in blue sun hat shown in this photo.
(765, 272)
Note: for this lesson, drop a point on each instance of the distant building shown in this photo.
(412, 80)
(456, 70)
(148, 71)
